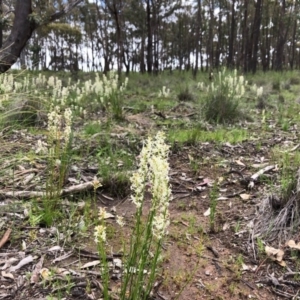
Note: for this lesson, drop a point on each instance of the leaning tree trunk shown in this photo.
(1, 24)
(21, 32)
(22, 29)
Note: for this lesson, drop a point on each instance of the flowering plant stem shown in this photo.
(104, 269)
(141, 262)
(147, 235)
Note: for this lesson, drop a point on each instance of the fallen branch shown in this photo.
(34, 194)
(181, 116)
(160, 114)
(255, 176)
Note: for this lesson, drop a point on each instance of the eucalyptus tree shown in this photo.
(63, 40)
(115, 9)
(54, 45)
(157, 11)
(136, 16)
(94, 25)
(183, 38)
(105, 45)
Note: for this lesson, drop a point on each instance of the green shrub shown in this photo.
(22, 111)
(224, 95)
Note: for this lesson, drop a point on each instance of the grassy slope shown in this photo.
(109, 147)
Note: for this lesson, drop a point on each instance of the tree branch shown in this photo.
(67, 8)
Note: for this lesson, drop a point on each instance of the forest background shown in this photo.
(150, 36)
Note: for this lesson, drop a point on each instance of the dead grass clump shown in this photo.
(261, 103)
(22, 111)
(185, 95)
(294, 80)
(118, 184)
(281, 99)
(276, 85)
(279, 214)
(260, 82)
(286, 85)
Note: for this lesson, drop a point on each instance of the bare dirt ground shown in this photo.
(201, 260)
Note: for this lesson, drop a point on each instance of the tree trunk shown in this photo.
(21, 32)
(149, 43)
(219, 42)
(1, 23)
(22, 29)
(198, 39)
(245, 37)
(126, 61)
(116, 11)
(255, 35)
(284, 26)
(106, 65)
(293, 50)
(231, 36)
(210, 45)
(142, 56)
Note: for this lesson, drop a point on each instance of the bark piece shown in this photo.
(5, 237)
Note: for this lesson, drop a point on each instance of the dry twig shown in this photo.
(32, 194)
